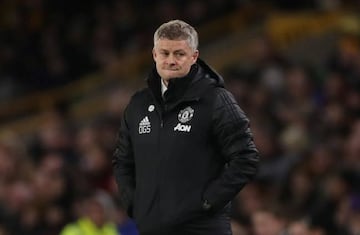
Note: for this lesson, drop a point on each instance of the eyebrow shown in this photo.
(179, 50)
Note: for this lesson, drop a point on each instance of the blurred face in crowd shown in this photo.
(173, 58)
(95, 211)
(298, 228)
(265, 223)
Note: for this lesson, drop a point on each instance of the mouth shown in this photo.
(171, 68)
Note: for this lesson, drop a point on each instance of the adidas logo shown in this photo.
(145, 121)
(144, 126)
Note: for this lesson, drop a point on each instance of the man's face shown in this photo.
(173, 58)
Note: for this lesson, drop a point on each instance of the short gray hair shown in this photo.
(177, 30)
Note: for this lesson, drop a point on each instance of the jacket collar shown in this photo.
(187, 88)
(176, 86)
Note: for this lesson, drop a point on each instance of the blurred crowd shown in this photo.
(306, 124)
(49, 43)
(60, 174)
(305, 119)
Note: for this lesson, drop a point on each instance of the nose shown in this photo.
(170, 60)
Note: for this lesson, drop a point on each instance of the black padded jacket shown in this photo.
(183, 156)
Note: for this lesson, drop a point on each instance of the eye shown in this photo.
(164, 53)
(179, 54)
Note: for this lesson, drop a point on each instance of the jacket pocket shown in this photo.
(189, 208)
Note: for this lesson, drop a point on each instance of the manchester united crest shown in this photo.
(186, 114)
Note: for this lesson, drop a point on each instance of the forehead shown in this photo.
(167, 44)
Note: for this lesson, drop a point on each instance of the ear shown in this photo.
(154, 53)
(195, 56)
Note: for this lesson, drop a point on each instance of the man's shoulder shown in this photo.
(215, 92)
(221, 97)
(140, 95)
(138, 100)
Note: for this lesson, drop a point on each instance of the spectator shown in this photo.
(269, 221)
(96, 217)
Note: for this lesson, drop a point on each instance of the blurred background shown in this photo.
(68, 68)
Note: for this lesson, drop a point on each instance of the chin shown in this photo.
(169, 76)
(175, 75)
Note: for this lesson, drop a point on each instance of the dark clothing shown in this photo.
(211, 225)
(176, 152)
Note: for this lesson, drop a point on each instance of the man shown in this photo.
(184, 148)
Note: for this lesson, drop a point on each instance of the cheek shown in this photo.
(159, 64)
(187, 64)
(158, 59)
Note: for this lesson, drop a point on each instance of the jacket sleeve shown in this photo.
(233, 138)
(124, 167)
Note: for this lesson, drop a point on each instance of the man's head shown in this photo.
(175, 49)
